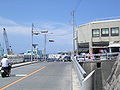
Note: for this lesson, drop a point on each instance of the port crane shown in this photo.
(8, 48)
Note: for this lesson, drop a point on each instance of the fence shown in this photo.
(16, 58)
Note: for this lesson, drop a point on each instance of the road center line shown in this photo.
(22, 78)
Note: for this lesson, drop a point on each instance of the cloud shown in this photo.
(58, 29)
(61, 31)
(13, 27)
(55, 27)
(18, 30)
(4, 21)
(62, 34)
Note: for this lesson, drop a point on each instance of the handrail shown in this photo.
(80, 71)
(100, 56)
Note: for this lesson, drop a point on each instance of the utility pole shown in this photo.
(32, 42)
(45, 47)
(73, 23)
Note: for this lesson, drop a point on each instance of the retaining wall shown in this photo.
(113, 81)
(102, 71)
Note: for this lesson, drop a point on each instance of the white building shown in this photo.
(96, 36)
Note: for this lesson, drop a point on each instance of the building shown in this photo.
(96, 37)
(34, 52)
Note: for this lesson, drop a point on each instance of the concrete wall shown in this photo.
(84, 34)
(87, 83)
(106, 70)
(113, 81)
(102, 71)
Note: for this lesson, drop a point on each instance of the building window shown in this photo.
(115, 31)
(95, 32)
(105, 32)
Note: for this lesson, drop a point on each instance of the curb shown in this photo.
(22, 64)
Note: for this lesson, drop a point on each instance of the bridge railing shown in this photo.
(16, 58)
(80, 71)
(101, 56)
(86, 81)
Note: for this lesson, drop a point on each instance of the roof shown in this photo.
(114, 20)
(103, 21)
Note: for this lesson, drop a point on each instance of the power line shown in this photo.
(73, 24)
(63, 34)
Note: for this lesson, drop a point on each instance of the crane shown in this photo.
(8, 48)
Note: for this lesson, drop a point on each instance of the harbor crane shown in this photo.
(8, 48)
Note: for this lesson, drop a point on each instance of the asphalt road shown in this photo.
(39, 76)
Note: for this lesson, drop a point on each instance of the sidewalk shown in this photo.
(75, 81)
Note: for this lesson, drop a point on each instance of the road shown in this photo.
(39, 76)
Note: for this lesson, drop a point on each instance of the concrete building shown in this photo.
(97, 36)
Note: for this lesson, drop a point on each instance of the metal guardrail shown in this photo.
(102, 56)
(87, 81)
(20, 58)
(80, 71)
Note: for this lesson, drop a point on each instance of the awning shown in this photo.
(114, 45)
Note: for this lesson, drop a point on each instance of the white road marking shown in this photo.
(17, 75)
(21, 75)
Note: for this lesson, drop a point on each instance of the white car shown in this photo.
(81, 58)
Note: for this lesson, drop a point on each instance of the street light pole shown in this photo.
(45, 47)
(32, 43)
(45, 40)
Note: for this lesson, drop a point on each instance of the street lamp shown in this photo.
(45, 42)
(45, 37)
(32, 42)
(45, 32)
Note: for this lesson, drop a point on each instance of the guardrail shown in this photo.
(80, 71)
(16, 58)
(101, 56)
(86, 81)
(20, 58)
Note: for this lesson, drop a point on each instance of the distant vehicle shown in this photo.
(81, 58)
(67, 58)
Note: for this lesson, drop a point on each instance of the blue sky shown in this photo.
(52, 15)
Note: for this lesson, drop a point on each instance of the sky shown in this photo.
(55, 16)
